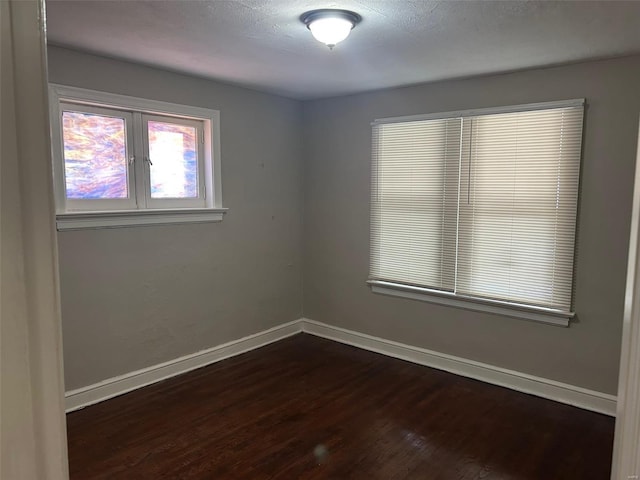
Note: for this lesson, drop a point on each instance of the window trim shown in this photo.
(524, 107)
(468, 302)
(476, 304)
(66, 219)
(129, 218)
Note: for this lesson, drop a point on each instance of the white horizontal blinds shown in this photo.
(519, 178)
(414, 202)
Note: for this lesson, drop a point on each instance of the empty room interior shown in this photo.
(353, 239)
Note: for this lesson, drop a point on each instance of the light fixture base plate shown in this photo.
(312, 15)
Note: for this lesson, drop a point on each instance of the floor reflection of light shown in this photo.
(453, 460)
(415, 440)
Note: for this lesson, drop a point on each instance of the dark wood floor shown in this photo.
(262, 415)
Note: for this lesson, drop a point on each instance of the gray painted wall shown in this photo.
(336, 225)
(134, 297)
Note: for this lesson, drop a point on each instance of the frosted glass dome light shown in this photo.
(330, 30)
(330, 26)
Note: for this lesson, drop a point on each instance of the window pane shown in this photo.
(517, 222)
(95, 156)
(414, 202)
(174, 160)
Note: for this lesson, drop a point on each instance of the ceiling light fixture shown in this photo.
(330, 26)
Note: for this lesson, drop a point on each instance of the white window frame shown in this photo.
(169, 203)
(71, 215)
(110, 203)
(505, 308)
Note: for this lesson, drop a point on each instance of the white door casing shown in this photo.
(32, 422)
(626, 449)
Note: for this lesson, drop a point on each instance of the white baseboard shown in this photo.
(522, 382)
(112, 387)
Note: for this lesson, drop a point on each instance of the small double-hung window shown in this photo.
(478, 209)
(122, 161)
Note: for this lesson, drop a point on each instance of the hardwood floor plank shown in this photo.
(261, 415)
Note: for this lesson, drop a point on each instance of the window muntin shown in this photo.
(513, 214)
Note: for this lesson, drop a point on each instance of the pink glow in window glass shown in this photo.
(174, 160)
(95, 156)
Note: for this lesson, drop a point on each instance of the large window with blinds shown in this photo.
(479, 208)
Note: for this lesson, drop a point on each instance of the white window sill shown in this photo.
(536, 314)
(133, 218)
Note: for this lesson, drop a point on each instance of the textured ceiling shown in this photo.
(262, 44)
